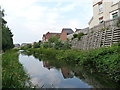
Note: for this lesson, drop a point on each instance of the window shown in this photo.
(100, 7)
(115, 15)
(101, 20)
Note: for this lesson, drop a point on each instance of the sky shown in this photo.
(30, 19)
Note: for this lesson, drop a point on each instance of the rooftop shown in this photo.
(68, 30)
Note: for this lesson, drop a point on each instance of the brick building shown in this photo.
(48, 35)
(65, 32)
(62, 35)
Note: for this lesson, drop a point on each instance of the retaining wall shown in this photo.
(102, 35)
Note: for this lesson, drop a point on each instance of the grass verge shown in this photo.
(13, 75)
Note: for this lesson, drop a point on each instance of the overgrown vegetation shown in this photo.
(105, 28)
(118, 23)
(105, 60)
(56, 43)
(13, 75)
(79, 35)
(7, 41)
(36, 44)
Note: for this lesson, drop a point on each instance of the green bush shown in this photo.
(75, 35)
(36, 45)
(47, 45)
(80, 35)
(59, 45)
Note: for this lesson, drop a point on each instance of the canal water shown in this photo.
(61, 74)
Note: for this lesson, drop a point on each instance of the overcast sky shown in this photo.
(30, 19)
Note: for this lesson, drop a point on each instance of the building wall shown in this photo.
(48, 35)
(108, 8)
(63, 35)
(115, 8)
(96, 14)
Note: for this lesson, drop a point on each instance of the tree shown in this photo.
(53, 39)
(66, 45)
(7, 41)
(47, 45)
(0, 30)
(26, 46)
(36, 45)
(58, 45)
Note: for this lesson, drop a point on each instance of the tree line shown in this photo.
(53, 42)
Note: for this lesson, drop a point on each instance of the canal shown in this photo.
(50, 73)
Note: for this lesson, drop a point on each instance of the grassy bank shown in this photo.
(105, 60)
(13, 75)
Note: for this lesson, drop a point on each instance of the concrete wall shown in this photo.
(102, 35)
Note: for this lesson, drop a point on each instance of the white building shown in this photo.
(104, 10)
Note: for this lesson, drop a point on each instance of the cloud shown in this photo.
(68, 7)
(31, 18)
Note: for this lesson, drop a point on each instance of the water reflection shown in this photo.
(61, 74)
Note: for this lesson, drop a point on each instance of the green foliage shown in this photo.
(36, 45)
(58, 45)
(7, 41)
(79, 35)
(118, 23)
(75, 35)
(92, 31)
(116, 44)
(29, 45)
(105, 60)
(47, 45)
(55, 43)
(26, 47)
(13, 75)
(66, 45)
(105, 28)
(53, 39)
